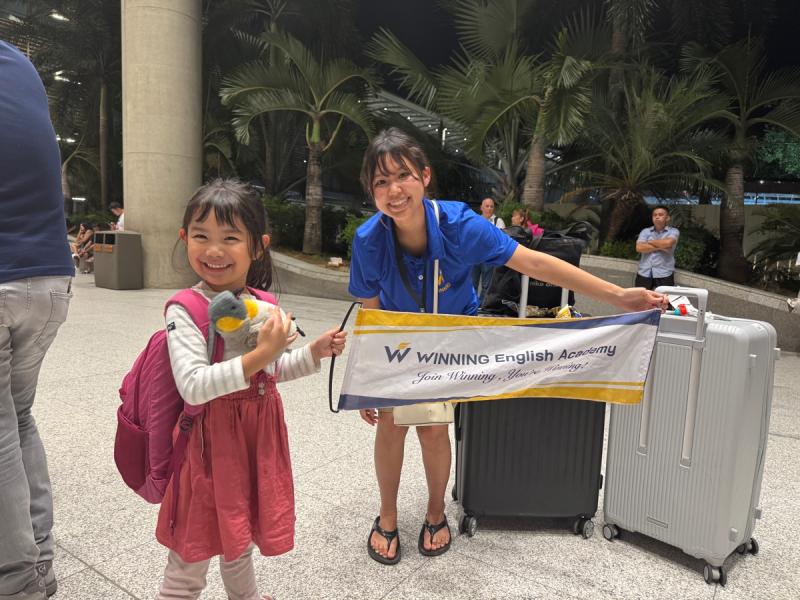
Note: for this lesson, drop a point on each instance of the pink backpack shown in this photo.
(151, 406)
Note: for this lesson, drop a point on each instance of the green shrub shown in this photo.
(102, 219)
(349, 232)
(698, 249)
(619, 249)
(333, 225)
(287, 224)
(552, 221)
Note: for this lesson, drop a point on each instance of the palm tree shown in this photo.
(630, 21)
(781, 236)
(656, 147)
(325, 93)
(579, 54)
(757, 99)
(85, 49)
(506, 99)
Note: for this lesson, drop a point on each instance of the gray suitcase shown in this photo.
(685, 465)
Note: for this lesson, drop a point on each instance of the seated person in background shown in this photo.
(84, 237)
(80, 238)
(85, 252)
(119, 212)
(520, 218)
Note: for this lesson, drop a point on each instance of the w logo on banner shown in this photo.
(403, 348)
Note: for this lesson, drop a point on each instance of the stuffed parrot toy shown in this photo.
(227, 314)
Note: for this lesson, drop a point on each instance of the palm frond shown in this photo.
(785, 116)
(486, 27)
(259, 102)
(414, 76)
(341, 73)
(347, 106)
(258, 76)
(775, 88)
(300, 56)
(633, 17)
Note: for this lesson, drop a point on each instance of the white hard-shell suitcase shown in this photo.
(685, 465)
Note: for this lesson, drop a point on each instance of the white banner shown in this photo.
(404, 358)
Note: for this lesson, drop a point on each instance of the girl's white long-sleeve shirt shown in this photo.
(198, 381)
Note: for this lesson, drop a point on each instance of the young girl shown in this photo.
(236, 488)
(394, 251)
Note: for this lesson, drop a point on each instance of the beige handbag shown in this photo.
(426, 413)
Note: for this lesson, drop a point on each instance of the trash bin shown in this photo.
(118, 260)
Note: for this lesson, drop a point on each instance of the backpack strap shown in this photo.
(263, 295)
(196, 304)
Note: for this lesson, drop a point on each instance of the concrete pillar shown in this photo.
(161, 128)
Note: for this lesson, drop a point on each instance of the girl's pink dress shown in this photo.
(236, 485)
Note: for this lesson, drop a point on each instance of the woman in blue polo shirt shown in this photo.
(391, 269)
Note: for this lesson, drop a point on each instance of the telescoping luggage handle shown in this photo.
(693, 390)
(702, 302)
(523, 296)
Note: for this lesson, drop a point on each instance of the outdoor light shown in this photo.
(54, 14)
(14, 19)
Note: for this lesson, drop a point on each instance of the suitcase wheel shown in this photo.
(584, 527)
(714, 574)
(751, 547)
(468, 524)
(610, 531)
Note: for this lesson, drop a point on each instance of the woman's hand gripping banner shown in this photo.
(404, 358)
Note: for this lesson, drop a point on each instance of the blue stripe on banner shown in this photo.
(650, 317)
(357, 402)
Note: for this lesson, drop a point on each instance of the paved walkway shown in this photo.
(105, 533)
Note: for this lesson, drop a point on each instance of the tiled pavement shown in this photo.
(105, 533)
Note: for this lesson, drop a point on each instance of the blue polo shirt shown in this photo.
(461, 240)
(660, 263)
(33, 233)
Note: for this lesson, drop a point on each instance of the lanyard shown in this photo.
(401, 266)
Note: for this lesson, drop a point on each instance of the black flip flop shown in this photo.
(432, 529)
(389, 536)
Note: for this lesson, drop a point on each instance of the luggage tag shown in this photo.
(681, 305)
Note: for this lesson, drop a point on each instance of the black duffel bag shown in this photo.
(503, 295)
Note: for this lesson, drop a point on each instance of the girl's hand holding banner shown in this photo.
(406, 358)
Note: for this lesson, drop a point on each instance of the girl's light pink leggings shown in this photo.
(186, 580)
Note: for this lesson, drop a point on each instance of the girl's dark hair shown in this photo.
(392, 144)
(231, 199)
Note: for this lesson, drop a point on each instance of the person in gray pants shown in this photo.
(35, 279)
